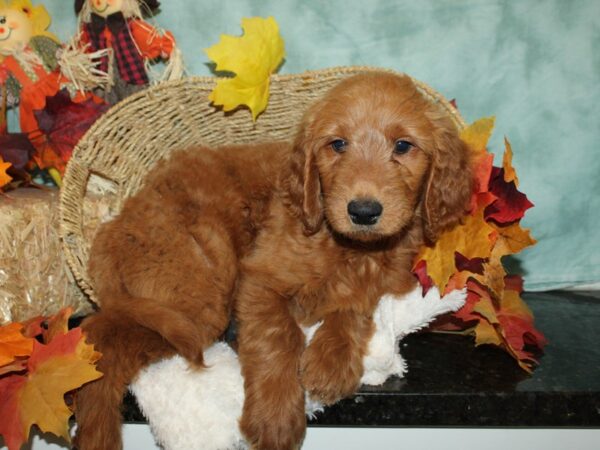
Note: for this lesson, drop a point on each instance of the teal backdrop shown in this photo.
(535, 65)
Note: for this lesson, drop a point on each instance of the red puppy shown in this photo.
(288, 235)
(376, 171)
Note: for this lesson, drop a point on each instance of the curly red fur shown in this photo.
(267, 230)
(325, 268)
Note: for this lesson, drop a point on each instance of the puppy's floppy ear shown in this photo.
(303, 184)
(450, 181)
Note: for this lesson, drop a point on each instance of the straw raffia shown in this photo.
(117, 152)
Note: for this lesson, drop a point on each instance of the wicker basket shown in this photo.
(116, 153)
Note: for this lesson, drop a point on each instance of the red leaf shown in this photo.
(64, 121)
(16, 149)
(513, 283)
(420, 270)
(510, 204)
(474, 265)
(520, 334)
(482, 173)
(466, 313)
(11, 427)
(64, 344)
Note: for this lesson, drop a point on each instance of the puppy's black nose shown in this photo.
(364, 212)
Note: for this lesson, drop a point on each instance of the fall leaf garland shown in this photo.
(38, 366)
(470, 255)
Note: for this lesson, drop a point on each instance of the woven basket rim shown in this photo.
(72, 240)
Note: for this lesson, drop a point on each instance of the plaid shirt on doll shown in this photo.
(132, 41)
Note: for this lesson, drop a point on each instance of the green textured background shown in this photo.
(535, 65)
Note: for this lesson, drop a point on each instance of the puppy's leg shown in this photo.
(126, 347)
(331, 366)
(161, 293)
(270, 344)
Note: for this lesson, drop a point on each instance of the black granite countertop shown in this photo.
(452, 383)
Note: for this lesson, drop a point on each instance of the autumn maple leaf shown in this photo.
(5, 178)
(13, 344)
(11, 427)
(57, 325)
(510, 175)
(54, 370)
(62, 363)
(472, 239)
(510, 204)
(252, 57)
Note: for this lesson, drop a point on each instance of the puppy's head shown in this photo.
(372, 155)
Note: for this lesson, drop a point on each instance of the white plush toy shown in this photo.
(199, 410)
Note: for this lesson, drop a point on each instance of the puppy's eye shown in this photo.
(401, 147)
(2, 20)
(338, 145)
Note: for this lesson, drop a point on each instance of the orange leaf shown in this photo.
(13, 343)
(5, 178)
(476, 136)
(482, 196)
(509, 171)
(458, 281)
(57, 324)
(473, 239)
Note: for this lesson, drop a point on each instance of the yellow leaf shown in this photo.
(4, 177)
(485, 308)
(477, 135)
(493, 276)
(485, 333)
(509, 171)
(512, 239)
(232, 92)
(86, 352)
(512, 303)
(252, 57)
(473, 239)
(42, 398)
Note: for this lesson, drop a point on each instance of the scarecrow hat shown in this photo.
(150, 4)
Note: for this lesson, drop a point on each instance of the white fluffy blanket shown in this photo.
(199, 410)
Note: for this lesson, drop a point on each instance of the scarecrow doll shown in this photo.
(54, 111)
(118, 25)
(27, 59)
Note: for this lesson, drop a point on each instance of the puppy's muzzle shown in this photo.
(364, 212)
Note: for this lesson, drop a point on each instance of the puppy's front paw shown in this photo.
(329, 375)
